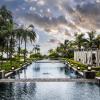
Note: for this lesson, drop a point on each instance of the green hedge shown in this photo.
(77, 64)
(98, 74)
(7, 66)
(83, 67)
(96, 68)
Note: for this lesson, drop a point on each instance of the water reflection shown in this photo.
(17, 91)
(46, 70)
(36, 67)
(49, 91)
(6, 91)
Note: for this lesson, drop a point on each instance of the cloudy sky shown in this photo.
(56, 20)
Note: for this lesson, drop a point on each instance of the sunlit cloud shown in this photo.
(59, 19)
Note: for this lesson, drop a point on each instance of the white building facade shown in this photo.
(88, 57)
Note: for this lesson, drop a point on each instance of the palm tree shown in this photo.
(37, 49)
(58, 49)
(71, 45)
(79, 40)
(97, 41)
(19, 37)
(28, 34)
(91, 39)
(5, 25)
(2, 44)
(66, 43)
(51, 51)
(6, 14)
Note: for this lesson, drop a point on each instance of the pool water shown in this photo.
(48, 90)
(46, 70)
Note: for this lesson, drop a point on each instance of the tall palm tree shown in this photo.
(28, 34)
(2, 44)
(6, 21)
(19, 37)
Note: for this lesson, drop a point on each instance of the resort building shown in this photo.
(88, 57)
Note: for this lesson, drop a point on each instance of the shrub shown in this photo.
(96, 68)
(77, 64)
(98, 74)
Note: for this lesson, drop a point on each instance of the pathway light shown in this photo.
(78, 68)
(89, 68)
(12, 68)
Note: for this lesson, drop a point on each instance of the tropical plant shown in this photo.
(6, 26)
(28, 34)
(91, 39)
(97, 41)
(79, 40)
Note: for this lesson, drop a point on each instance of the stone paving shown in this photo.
(48, 80)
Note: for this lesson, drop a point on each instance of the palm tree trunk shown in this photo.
(2, 57)
(7, 51)
(11, 47)
(19, 48)
(25, 52)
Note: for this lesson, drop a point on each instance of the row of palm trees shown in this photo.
(89, 40)
(11, 34)
(36, 49)
(25, 34)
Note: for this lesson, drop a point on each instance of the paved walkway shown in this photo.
(48, 80)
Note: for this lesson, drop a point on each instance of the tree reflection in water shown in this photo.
(37, 67)
(17, 91)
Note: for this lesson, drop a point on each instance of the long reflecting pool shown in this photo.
(48, 90)
(51, 69)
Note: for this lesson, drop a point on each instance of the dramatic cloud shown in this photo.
(58, 19)
(43, 21)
